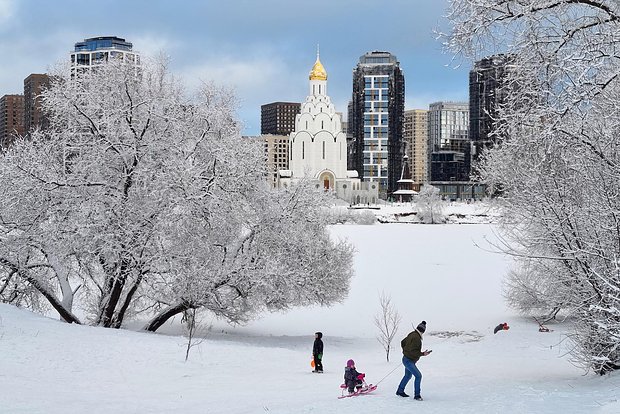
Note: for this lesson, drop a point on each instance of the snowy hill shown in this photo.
(436, 273)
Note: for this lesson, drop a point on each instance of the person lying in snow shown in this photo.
(352, 378)
(501, 327)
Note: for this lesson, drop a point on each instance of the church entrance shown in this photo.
(327, 179)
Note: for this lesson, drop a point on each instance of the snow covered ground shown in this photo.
(479, 212)
(444, 274)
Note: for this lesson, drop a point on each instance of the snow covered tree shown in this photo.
(142, 199)
(556, 159)
(430, 205)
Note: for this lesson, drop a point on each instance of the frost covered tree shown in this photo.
(140, 198)
(430, 205)
(556, 161)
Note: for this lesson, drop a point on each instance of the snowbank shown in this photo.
(480, 212)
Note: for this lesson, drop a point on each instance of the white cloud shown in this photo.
(151, 45)
(243, 73)
(255, 80)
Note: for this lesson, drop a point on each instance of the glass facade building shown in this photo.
(376, 116)
(98, 50)
(447, 122)
(487, 91)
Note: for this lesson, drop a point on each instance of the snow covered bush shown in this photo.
(556, 163)
(533, 288)
(430, 205)
(142, 199)
(348, 216)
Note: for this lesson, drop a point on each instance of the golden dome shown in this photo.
(318, 71)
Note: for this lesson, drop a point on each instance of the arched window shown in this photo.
(303, 150)
(323, 149)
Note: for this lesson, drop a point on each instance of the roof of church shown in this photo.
(318, 71)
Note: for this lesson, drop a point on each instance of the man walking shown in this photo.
(412, 351)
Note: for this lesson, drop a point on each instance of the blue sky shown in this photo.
(263, 49)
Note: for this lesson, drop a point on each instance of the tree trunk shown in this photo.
(166, 314)
(115, 288)
(120, 315)
(64, 313)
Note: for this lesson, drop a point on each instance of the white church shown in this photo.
(318, 147)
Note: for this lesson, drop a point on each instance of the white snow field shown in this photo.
(444, 274)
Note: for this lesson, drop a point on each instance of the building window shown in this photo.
(323, 149)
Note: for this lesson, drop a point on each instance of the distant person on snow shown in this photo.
(501, 327)
(353, 379)
(317, 352)
(412, 351)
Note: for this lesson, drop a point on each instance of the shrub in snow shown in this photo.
(363, 217)
(142, 198)
(346, 216)
(555, 164)
(430, 205)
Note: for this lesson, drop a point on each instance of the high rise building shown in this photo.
(11, 119)
(449, 165)
(487, 91)
(415, 135)
(276, 154)
(95, 51)
(447, 121)
(278, 118)
(33, 114)
(376, 117)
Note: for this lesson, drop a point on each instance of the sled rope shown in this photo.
(388, 374)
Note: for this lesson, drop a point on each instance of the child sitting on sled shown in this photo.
(353, 379)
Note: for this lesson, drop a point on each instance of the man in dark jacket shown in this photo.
(317, 352)
(412, 351)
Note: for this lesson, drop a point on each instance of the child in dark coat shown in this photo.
(353, 379)
(317, 352)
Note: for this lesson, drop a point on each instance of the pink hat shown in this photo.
(350, 363)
